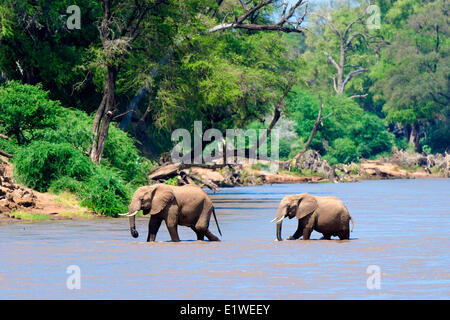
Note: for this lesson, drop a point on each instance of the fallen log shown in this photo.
(171, 170)
(4, 154)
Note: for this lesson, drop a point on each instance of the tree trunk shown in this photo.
(414, 137)
(104, 116)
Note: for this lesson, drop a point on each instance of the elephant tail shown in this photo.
(353, 224)
(217, 224)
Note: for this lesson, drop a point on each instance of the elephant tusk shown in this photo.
(281, 219)
(123, 214)
(273, 220)
(132, 214)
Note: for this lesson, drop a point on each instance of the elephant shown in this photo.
(327, 215)
(186, 205)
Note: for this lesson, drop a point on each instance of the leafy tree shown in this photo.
(25, 109)
(412, 78)
(37, 47)
(346, 135)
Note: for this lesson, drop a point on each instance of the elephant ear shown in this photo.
(307, 205)
(162, 196)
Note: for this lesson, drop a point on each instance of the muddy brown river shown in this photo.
(399, 249)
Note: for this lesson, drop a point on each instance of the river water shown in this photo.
(401, 236)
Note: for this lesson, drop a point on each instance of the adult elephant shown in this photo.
(186, 205)
(327, 215)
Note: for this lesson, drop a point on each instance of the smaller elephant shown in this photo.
(327, 215)
(186, 205)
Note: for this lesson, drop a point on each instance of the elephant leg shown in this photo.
(327, 236)
(307, 233)
(172, 223)
(173, 231)
(210, 236)
(344, 234)
(200, 235)
(153, 227)
(298, 233)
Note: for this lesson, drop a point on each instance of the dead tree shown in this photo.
(340, 79)
(318, 122)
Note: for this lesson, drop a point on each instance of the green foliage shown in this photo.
(427, 149)
(347, 134)
(260, 166)
(25, 108)
(106, 192)
(411, 78)
(34, 35)
(438, 136)
(172, 181)
(66, 184)
(121, 153)
(40, 163)
(344, 151)
(56, 158)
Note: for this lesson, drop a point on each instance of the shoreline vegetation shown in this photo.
(82, 128)
(20, 204)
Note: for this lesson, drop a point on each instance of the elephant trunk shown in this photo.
(133, 230)
(134, 207)
(281, 213)
(279, 231)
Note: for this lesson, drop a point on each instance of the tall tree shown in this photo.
(123, 24)
(340, 37)
(413, 75)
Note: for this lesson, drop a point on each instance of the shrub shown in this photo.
(121, 153)
(50, 151)
(25, 108)
(106, 193)
(365, 133)
(344, 151)
(40, 163)
(66, 184)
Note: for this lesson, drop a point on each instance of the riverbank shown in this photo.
(21, 204)
(310, 168)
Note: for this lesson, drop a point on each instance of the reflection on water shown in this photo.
(401, 226)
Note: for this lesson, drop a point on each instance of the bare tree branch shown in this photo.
(330, 58)
(358, 96)
(284, 25)
(352, 74)
(313, 132)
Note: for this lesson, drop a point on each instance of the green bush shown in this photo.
(51, 151)
(347, 133)
(66, 184)
(25, 108)
(40, 163)
(284, 149)
(121, 153)
(344, 151)
(106, 193)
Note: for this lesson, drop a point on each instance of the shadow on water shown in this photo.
(401, 227)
